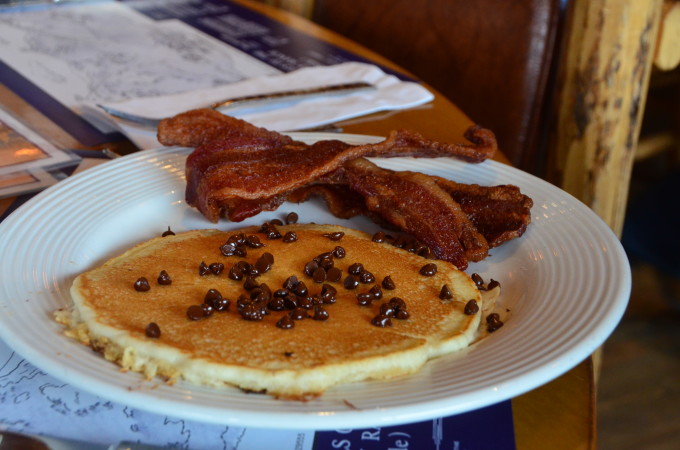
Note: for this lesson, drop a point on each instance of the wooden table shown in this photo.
(560, 414)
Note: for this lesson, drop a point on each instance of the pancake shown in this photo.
(240, 346)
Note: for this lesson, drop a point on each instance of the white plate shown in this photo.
(566, 283)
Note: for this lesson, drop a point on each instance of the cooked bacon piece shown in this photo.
(341, 201)
(414, 203)
(500, 213)
(200, 126)
(224, 173)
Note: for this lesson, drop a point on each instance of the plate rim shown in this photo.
(350, 417)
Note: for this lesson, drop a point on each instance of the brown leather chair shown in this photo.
(492, 58)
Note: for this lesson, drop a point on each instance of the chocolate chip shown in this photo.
(305, 302)
(355, 269)
(379, 237)
(242, 301)
(493, 284)
(388, 283)
(328, 294)
(264, 263)
(311, 267)
(381, 321)
(471, 307)
(387, 309)
(428, 270)
(270, 231)
(153, 330)
(298, 314)
(493, 322)
(445, 293)
(339, 252)
(252, 272)
(220, 304)
(398, 302)
(250, 283)
(319, 275)
(235, 273)
(290, 302)
(168, 233)
(195, 312)
(244, 266)
(280, 293)
(402, 314)
(286, 323)
(351, 282)
(238, 239)
(212, 294)
(320, 313)
(479, 281)
(142, 284)
(365, 298)
(427, 253)
(268, 257)
(253, 241)
(228, 249)
(399, 305)
(266, 290)
(203, 269)
(252, 312)
(366, 277)
(216, 268)
(290, 237)
(290, 282)
(325, 255)
(276, 304)
(327, 264)
(255, 292)
(164, 279)
(292, 217)
(276, 222)
(334, 274)
(335, 236)
(300, 289)
(207, 309)
(376, 291)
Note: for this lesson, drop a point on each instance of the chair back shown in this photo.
(491, 58)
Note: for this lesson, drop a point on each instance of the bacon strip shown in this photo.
(238, 170)
(201, 126)
(259, 169)
(414, 203)
(500, 213)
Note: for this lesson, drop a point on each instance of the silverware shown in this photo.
(297, 94)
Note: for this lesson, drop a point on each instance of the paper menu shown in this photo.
(33, 402)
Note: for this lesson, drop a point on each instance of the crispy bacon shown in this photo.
(201, 126)
(258, 169)
(414, 203)
(238, 170)
(500, 213)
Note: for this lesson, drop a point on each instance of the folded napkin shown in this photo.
(391, 94)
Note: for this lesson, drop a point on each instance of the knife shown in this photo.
(296, 94)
